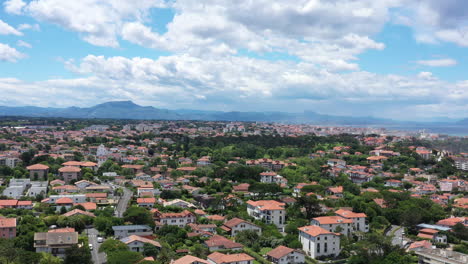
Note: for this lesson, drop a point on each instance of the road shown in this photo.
(123, 202)
(397, 232)
(98, 258)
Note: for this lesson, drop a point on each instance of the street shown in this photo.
(123, 202)
(98, 258)
(397, 232)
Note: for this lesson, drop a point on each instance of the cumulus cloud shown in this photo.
(98, 21)
(239, 83)
(436, 21)
(6, 29)
(438, 62)
(14, 6)
(10, 54)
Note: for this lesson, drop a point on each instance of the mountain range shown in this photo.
(130, 110)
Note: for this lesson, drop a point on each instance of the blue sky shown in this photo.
(400, 59)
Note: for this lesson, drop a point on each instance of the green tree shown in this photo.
(124, 257)
(111, 245)
(139, 216)
(76, 254)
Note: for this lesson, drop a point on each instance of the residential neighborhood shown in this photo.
(178, 192)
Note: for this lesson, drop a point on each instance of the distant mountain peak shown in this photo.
(125, 104)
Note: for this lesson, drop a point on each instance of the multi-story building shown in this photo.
(318, 242)
(270, 211)
(178, 219)
(461, 163)
(7, 227)
(55, 243)
(272, 177)
(360, 223)
(70, 173)
(336, 224)
(38, 172)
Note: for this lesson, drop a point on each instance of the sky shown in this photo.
(399, 59)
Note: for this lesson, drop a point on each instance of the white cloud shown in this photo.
(22, 43)
(436, 21)
(438, 62)
(34, 27)
(14, 6)
(6, 29)
(10, 54)
(98, 21)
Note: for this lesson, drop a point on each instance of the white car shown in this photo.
(100, 239)
(90, 246)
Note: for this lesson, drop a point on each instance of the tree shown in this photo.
(124, 257)
(460, 231)
(247, 238)
(111, 245)
(311, 205)
(150, 250)
(47, 258)
(77, 254)
(139, 216)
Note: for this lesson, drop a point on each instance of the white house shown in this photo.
(285, 255)
(237, 225)
(336, 224)
(360, 223)
(270, 211)
(318, 242)
(177, 219)
(136, 243)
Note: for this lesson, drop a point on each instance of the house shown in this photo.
(7, 227)
(38, 172)
(272, 177)
(318, 242)
(360, 223)
(220, 258)
(418, 245)
(285, 255)
(78, 212)
(83, 184)
(450, 222)
(393, 183)
(127, 230)
(55, 243)
(336, 191)
(189, 260)
(69, 173)
(178, 219)
(243, 187)
(135, 243)
(336, 163)
(64, 202)
(178, 203)
(432, 234)
(270, 211)
(146, 202)
(206, 230)
(237, 225)
(335, 224)
(218, 242)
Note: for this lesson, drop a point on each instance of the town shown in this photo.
(192, 192)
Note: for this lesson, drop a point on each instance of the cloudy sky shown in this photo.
(402, 59)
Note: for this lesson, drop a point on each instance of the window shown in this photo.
(318, 248)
